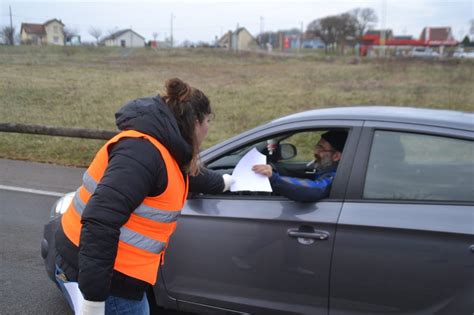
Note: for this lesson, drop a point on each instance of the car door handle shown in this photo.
(318, 235)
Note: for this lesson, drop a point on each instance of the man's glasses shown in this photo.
(320, 148)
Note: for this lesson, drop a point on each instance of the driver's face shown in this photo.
(324, 154)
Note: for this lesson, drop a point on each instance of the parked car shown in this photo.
(423, 52)
(461, 53)
(396, 234)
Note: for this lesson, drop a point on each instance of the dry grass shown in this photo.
(83, 87)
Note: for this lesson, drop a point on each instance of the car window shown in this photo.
(304, 143)
(300, 164)
(408, 166)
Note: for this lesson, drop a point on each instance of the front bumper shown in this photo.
(48, 247)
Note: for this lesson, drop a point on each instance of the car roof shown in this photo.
(423, 116)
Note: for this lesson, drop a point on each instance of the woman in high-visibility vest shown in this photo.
(113, 236)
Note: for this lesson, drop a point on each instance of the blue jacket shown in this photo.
(304, 190)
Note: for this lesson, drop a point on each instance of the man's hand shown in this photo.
(263, 169)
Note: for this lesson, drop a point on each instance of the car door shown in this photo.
(257, 253)
(404, 241)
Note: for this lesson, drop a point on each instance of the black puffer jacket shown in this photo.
(135, 170)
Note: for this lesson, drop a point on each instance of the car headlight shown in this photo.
(61, 205)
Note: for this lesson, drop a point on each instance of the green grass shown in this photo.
(84, 86)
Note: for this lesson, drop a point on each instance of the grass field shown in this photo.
(84, 86)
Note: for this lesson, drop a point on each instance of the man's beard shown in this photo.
(323, 163)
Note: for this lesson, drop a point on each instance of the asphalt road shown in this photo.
(24, 286)
(40, 176)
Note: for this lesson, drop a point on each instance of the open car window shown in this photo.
(303, 142)
(295, 158)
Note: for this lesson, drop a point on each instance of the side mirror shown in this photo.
(287, 151)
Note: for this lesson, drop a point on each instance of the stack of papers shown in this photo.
(247, 180)
(75, 296)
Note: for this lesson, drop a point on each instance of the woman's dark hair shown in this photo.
(187, 104)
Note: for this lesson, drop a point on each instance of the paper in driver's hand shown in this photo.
(245, 178)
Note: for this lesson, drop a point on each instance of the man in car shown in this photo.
(327, 153)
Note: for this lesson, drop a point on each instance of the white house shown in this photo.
(124, 38)
(241, 39)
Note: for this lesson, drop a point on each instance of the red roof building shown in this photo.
(438, 36)
(51, 33)
(36, 29)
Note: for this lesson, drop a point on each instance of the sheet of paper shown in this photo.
(245, 178)
(75, 295)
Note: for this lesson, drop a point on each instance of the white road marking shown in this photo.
(32, 191)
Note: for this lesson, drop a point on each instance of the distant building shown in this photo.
(241, 39)
(372, 40)
(380, 33)
(225, 40)
(124, 38)
(160, 44)
(438, 36)
(49, 33)
(403, 37)
(430, 37)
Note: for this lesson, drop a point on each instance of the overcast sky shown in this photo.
(202, 20)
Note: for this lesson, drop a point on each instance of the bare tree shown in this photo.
(268, 37)
(365, 18)
(8, 34)
(69, 34)
(96, 33)
(333, 29)
(318, 28)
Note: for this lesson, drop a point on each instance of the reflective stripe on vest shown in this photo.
(89, 183)
(144, 237)
(143, 210)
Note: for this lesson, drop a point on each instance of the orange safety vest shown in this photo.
(144, 238)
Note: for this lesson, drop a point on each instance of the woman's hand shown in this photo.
(228, 181)
(263, 169)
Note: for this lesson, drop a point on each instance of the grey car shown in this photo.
(396, 234)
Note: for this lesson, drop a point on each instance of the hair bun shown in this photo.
(177, 90)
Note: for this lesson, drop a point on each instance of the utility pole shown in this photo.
(11, 20)
(11, 33)
(171, 38)
(383, 35)
(235, 38)
(300, 41)
(261, 33)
